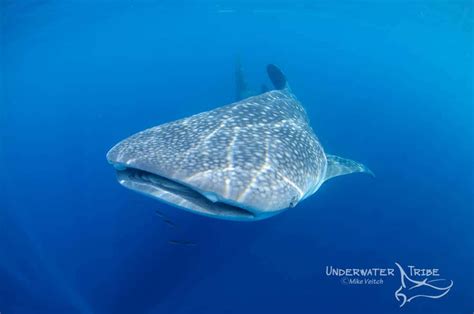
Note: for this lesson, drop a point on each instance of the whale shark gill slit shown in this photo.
(176, 193)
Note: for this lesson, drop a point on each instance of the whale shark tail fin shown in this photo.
(338, 166)
(240, 82)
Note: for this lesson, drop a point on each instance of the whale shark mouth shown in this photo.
(178, 194)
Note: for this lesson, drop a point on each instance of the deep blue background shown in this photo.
(389, 85)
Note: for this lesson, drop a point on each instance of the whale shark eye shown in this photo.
(294, 201)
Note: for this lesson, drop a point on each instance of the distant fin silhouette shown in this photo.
(277, 77)
(240, 83)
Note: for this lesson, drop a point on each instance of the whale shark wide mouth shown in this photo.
(178, 194)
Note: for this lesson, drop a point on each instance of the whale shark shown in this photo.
(242, 90)
(246, 161)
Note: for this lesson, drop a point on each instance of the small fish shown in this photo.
(165, 219)
(159, 214)
(182, 242)
(169, 222)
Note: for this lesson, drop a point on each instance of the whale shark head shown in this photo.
(245, 161)
(411, 288)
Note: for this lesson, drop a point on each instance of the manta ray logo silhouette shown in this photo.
(411, 288)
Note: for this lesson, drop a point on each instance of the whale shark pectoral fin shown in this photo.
(338, 166)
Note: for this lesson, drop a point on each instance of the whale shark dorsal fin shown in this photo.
(338, 166)
(277, 77)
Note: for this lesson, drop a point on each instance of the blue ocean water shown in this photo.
(389, 84)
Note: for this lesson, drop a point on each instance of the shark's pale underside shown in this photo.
(248, 160)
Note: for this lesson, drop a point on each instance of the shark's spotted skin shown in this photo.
(259, 153)
(247, 160)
